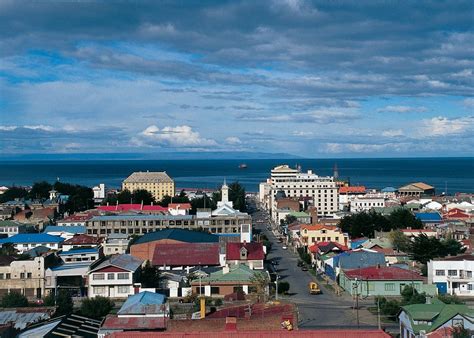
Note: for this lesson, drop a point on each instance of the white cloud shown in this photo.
(8, 128)
(392, 133)
(179, 136)
(302, 133)
(443, 126)
(315, 116)
(468, 103)
(233, 140)
(402, 109)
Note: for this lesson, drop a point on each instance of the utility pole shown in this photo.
(276, 288)
(357, 302)
(378, 313)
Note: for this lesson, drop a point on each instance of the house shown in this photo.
(6, 213)
(321, 251)
(453, 275)
(251, 254)
(144, 247)
(79, 255)
(64, 326)
(144, 310)
(78, 219)
(185, 255)
(412, 233)
(429, 219)
(354, 259)
(381, 281)
(81, 241)
(174, 283)
(179, 208)
(116, 244)
(301, 216)
(416, 189)
(11, 228)
(65, 232)
(228, 280)
(311, 234)
(115, 277)
(25, 242)
(421, 320)
(366, 203)
(457, 214)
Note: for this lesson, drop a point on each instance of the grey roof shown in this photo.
(362, 259)
(148, 177)
(21, 319)
(143, 303)
(125, 261)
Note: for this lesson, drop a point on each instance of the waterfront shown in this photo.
(457, 174)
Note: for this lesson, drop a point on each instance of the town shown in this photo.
(306, 255)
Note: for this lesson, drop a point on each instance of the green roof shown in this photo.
(237, 273)
(299, 214)
(438, 313)
(8, 223)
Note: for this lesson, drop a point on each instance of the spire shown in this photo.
(225, 192)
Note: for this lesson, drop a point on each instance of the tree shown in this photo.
(410, 295)
(424, 248)
(181, 198)
(40, 190)
(14, 299)
(80, 197)
(451, 247)
(96, 307)
(461, 332)
(290, 219)
(399, 241)
(260, 281)
(63, 301)
(150, 276)
(402, 218)
(203, 202)
(237, 196)
(8, 249)
(283, 287)
(143, 196)
(124, 197)
(364, 224)
(450, 299)
(12, 194)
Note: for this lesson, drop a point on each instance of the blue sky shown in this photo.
(314, 79)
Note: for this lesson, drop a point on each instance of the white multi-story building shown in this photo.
(322, 191)
(453, 275)
(366, 203)
(99, 191)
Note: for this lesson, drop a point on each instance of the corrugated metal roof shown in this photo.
(186, 254)
(22, 318)
(143, 303)
(133, 323)
(125, 261)
(76, 229)
(181, 235)
(141, 217)
(32, 238)
(79, 251)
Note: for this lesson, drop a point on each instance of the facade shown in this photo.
(25, 242)
(78, 219)
(453, 275)
(311, 234)
(250, 254)
(366, 203)
(425, 320)
(87, 255)
(115, 244)
(322, 190)
(11, 228)
(179, 208)
(159, 184)
(416, 189)
(81, 241)
(115, 277)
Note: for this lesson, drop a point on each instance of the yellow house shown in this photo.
(311, 234)
(159, 184)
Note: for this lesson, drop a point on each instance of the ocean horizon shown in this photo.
(446, 174)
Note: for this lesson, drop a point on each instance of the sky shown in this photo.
(313, 79)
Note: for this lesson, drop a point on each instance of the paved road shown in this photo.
(326, 310)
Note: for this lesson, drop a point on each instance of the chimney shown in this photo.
(230, 324)
(225, 269)
(313, 211)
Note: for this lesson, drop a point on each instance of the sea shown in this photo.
(448, 175)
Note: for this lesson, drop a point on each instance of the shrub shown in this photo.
(96, 307)
(14, 299)
(63, 301)
(283, 287)
(218, 302)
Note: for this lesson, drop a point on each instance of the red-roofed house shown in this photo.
(179, 208)
(352, 190)
(75, 220)
(81, 241)
(311, 234)
(456, 213)
(146, 209)
(185, 255)
(382, 281)
(251, 254)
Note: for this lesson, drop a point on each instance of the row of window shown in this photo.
(227, 230)
(110, 276)
(28, 275)
(453, 273)
(100, 290)
(324, 239)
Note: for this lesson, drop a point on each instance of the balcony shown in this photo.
(461, 277)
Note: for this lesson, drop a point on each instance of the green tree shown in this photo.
(402, 218)
(40, 190)
(80, 197)
(283, 287)
(13, 193)
(237, 196)
(181, 198)
(150, 276)
(399, 241)
(364, 224)
(8, 249)
(142, 195)
(410, 295)
(450, 299)
(124, 197)
(260, 281)
(461, 332)
(63, 301)
(290, 219)
(203, 202)
(424, 248)
(96, 307)
(14, 299)
(451, 247)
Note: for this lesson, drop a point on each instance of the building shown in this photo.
(355, 259)
(228, 280)
(311, 234)
(65, 232)
(416, 189)
(144, 310)
(322, 190)
(382, 281)
(453, 275)
(11, 228)
(179, 208)
(145, 247)
(78, 219)
(81, 241)
(80, 255)
(366, 203)
(99, 192)
(133, 208)
(423, 320)
(348, 193)
(25, 242)
(116, 244)
(115, 277)
(429, 219)
(159, 184)
(250, 254)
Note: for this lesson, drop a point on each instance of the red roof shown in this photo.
(76, 218)
(133, 323)
(254, 251)
(81, 239)
(184, 206)
(456, 213)
(383, 273)
(317, 227)
(186, 254)
(352, 190)
(128, 207)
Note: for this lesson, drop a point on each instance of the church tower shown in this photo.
(225, 193)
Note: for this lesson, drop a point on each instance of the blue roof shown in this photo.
(143, 303)
(428, 216)
(359, 259)
(70, 266)
(389, 189)
(358, 242)
(77, 229)
(79, 251)
(32, 238)
(181, 235)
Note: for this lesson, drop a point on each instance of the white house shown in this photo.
(115, 277)
(453, 275)
(11, 228)
(366, 203)
(116, 244)
(25, 242)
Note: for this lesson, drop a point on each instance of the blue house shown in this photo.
(353, 260)
(25, 242)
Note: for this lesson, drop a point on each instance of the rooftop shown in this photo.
(186, 254)
(32, 238)
(181, 235)
(352, 190)
(79, 251)
(143, 303)
(382, 273)
(254, 251)
(237, 273)
(134, 206)
(148, 177)
(125, 261)
(77, 229)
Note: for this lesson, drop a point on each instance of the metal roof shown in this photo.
(76, 229)
(79, 251)
(32, 238)
(125, 261)
(143, 303)
(142, 217)
(181, 235)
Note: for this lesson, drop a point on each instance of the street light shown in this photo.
(276, 288)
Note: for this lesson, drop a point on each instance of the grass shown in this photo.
(383, 318)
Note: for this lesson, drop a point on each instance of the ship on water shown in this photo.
(242, 166)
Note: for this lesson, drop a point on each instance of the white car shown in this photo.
(284, 247)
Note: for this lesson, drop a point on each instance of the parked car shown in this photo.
(284, 247)
(300, 263)
(304, 268)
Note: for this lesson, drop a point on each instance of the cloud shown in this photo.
(393, 133)
(444, 126)
(317, 116)
(179, 136)
(402, 109)
(468, 103)
(233, 140)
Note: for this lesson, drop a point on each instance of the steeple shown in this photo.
(225, 193)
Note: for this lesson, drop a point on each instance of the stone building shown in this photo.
(159, 184)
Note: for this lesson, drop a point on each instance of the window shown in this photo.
(123, 289)
(98, 290)
(110, 276)
(2, 276)
(452, 272)
(22, 275)
(122, 275)
(8, 276)
(439, 272)
(469, 287)
(98, 276)
(215, 290)
(389, 286)
(29, 275)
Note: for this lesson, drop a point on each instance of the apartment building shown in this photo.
(322, 190)
(453, 275)
(159, 184)
(366, 203)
